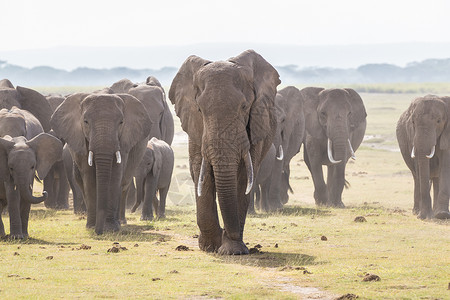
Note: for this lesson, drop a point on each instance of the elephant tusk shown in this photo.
(432, 152)
(201, 178)
(330, 154)
(90, 157)
(413, 152)
(280, 150)
(353, 156)
(118, 157)
(249, 168)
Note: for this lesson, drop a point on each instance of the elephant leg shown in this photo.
(335, 184)
(75, 182)
(15, 223)
(314, 165)
(25, 207)
(88, 182)
(162, 202)
(2, 227)
(149, 195)
(416, 208)
(62, 200)
(263, 195)
(131, 196)
(210, 238)
(441, 203)
(49, 187)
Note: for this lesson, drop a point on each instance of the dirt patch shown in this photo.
(182, 248)
(360, 219)
(371, 277)
(347, 297)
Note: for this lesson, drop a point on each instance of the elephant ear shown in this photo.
(445, 136)
(48, 150)
(136, 123)
(264, 79)
(358, 110)
(36, 104)
(122, 86)
(5, 83)
(6, 144)
(66, 123)
(312, 101)
(182, 94)
(157, 162)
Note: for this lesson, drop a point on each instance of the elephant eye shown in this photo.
(121, 122)
(86, 122)
(438, 121)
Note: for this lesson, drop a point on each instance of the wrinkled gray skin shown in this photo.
(424, 127)
(227, 109)
(288, 140)
(27, 99)
(337, 116)
(107, 126)
(154, 175)
(262, 182)
(20, 159)
(55, 183)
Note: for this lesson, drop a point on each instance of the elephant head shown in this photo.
(227, 109)
(102, 130)
(27, 99)
(332, 115)
(20, 159)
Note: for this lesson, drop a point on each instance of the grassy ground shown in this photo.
(308, 252)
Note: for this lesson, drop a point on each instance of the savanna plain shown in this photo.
(300, 252)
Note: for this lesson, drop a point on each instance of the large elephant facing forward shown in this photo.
(107, 136)
(423, 134)
(227, 109)
(335, 126)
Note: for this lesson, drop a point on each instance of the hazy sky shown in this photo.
(30, 24)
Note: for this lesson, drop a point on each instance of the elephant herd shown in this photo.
(242, 132)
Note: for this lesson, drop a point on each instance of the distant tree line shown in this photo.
(431, 70)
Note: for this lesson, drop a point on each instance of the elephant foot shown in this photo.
(442, 215)
(15, 236)
(415, 211)
(112, 226)
(338, 204)
(321, 200)
(161, 217)
(424, 215)
(123, 221)
(232, 247)
(210, 244)
(147, 217)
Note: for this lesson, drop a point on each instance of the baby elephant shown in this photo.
(154, 174)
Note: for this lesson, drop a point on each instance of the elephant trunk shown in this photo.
(103, 163)
(26, 192)
(227, 194)
(424, 183)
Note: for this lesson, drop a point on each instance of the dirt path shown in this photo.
(268, 276)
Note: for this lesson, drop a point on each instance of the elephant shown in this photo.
(262, 182)
(335, 127)
(56, 183)
(20, 159)
(154, 175)
(288, 140)
(423, 134)
(153, 96)
(107, 136)
(227, 109)
(26, 99)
